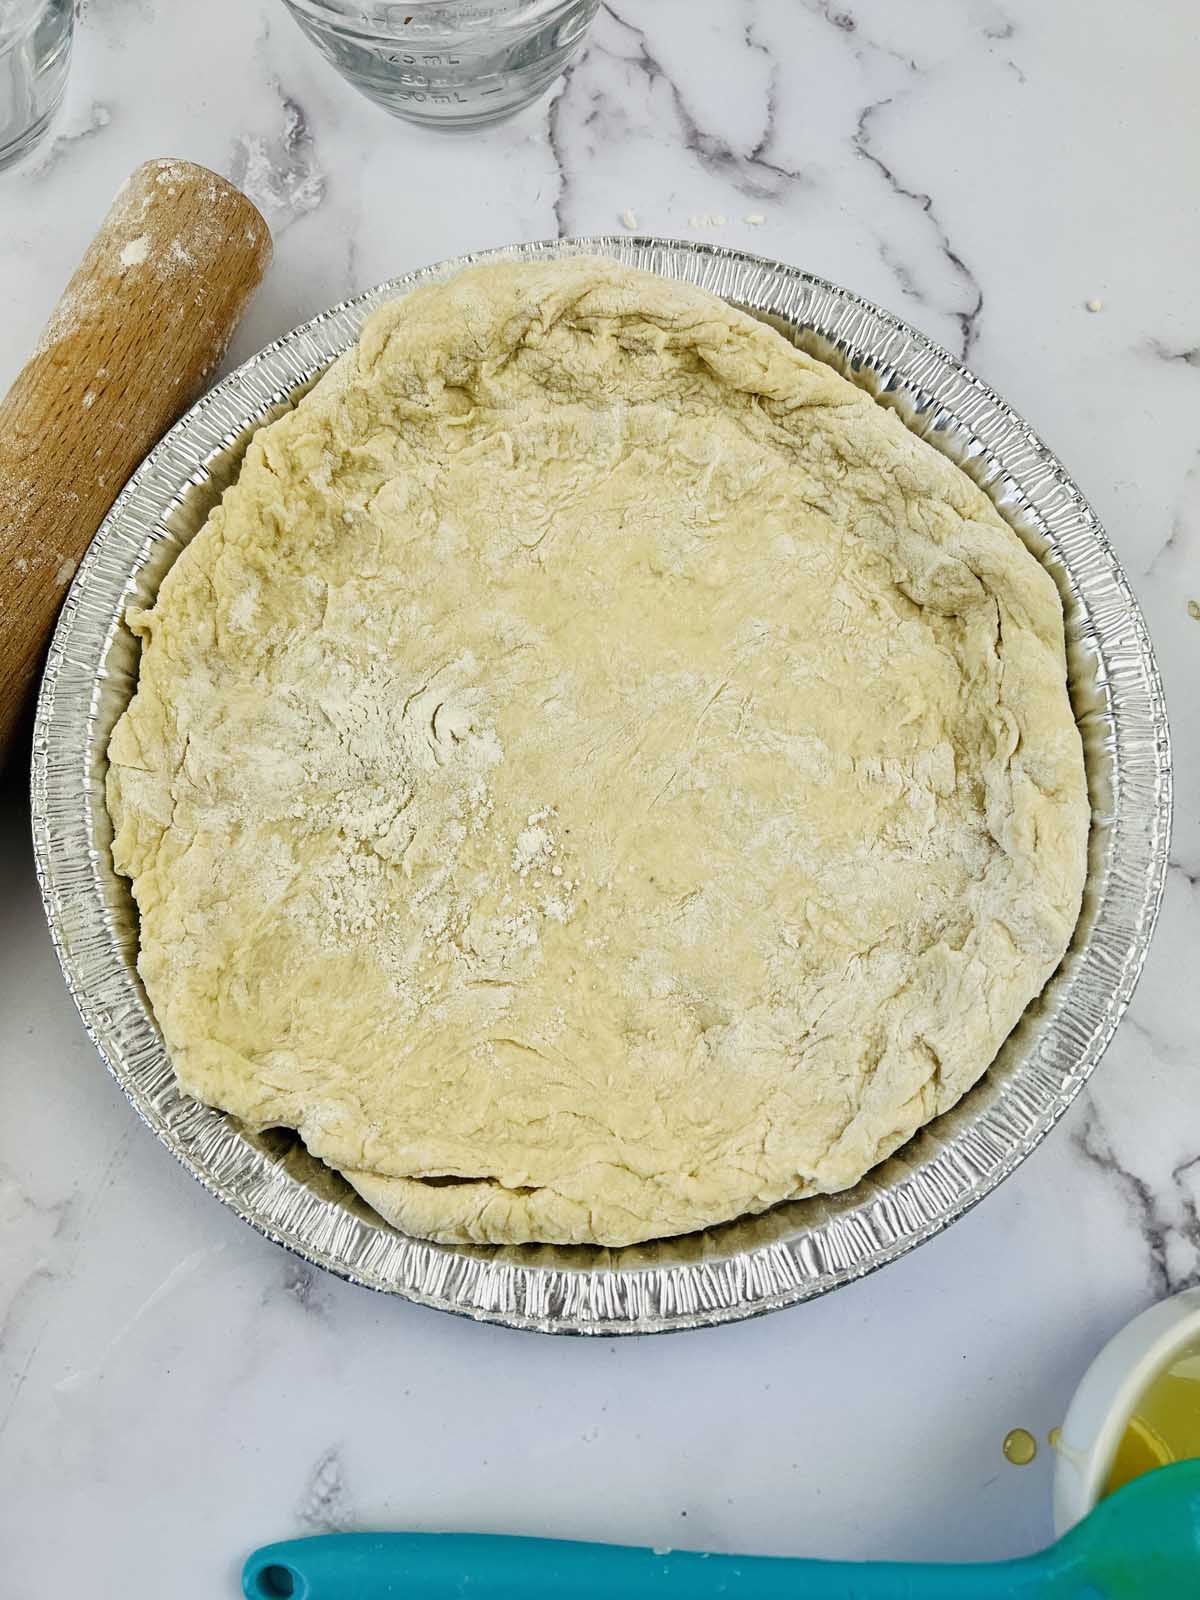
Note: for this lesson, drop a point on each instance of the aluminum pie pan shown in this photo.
(802, 1248)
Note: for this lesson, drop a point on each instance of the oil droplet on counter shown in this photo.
(1020, 1447)
(1059, 1445)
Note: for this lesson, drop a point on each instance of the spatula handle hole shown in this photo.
(277, 1583)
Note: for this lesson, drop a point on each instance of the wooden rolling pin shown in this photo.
(141, 325)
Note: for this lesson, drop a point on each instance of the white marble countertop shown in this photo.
(176, 1390)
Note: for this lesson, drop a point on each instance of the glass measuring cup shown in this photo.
(447, 63)
(35, 52)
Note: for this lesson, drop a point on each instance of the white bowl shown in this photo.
(1106, 1398)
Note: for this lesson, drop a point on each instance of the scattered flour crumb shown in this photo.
(629, 220)
(136, 251)
(534, 847)
(1194, 610)
(242, 609)
(89, 399)
(706, 219)
(754, 218)
(1094, 305)
(66, 571)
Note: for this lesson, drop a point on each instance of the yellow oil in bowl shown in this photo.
(1165, 1424)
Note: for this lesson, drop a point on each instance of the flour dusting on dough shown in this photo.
(597, 759)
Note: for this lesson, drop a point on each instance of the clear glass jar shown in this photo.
(447, 63)
(35, 53)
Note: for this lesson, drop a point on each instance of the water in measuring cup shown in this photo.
(35, 52)
(453, 63)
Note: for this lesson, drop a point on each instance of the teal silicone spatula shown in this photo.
(1142, 1543)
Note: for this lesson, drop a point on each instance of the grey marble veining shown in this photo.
(325, 1505)
(865, 144)
(173, 1390)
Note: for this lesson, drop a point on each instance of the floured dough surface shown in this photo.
(596, 774)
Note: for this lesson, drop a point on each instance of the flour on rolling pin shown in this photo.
(143, 322)
(171, 261)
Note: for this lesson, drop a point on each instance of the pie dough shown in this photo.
(597, 773)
